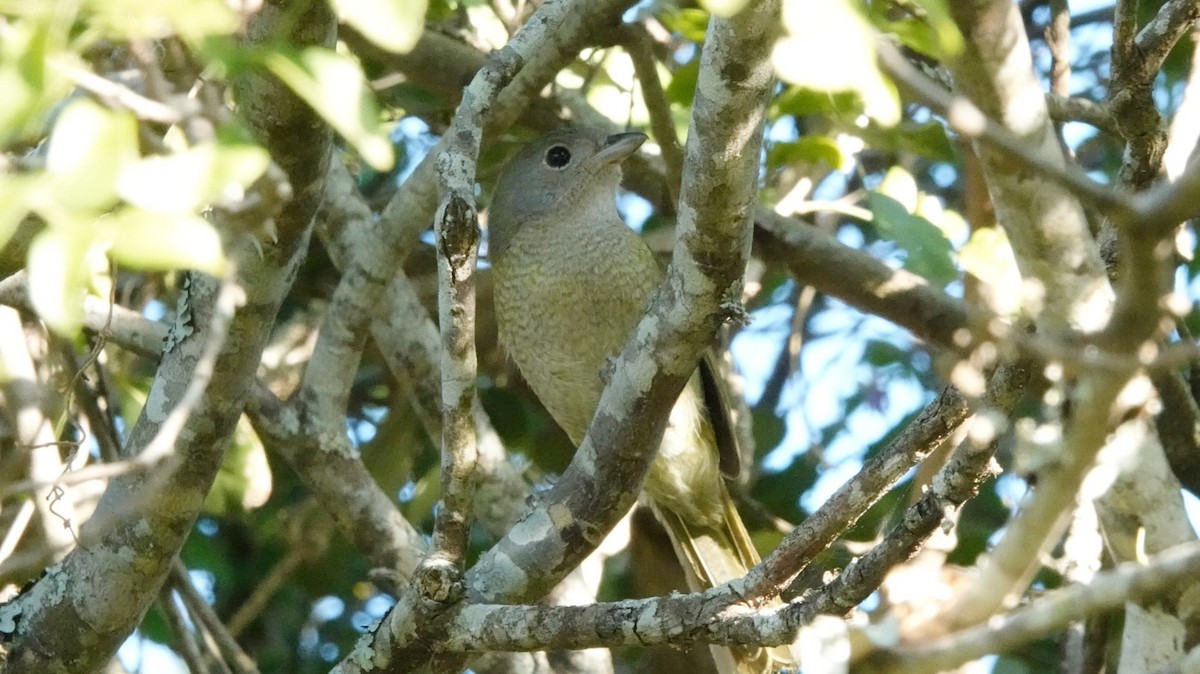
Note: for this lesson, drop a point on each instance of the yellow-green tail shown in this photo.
(711, 556)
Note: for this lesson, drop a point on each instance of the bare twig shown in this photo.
(231, 653)
(439, 578)
(1058, 39)
(1078, 109)
(637, 43)
(967, 119)
(118, 95)
(185, 639)
(1108, 591)
(126, 327)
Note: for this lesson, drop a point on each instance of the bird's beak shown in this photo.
(619, 147)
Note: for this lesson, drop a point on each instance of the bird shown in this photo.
(571, 281)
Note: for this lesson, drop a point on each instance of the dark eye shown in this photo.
(558, 156)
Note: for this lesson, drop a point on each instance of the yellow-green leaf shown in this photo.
(88, 148)
(146, 240)
(988, 256)
(185, 181)
(335, 87)
(244, 481)
(394, 25)
(192, 20)
(724, 8)
(817, 29)
(901, 186)
(13, 204)
(58, 274)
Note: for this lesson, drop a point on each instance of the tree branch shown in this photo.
(77, 614)
(1108, 591)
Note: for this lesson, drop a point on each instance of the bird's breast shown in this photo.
(566, 301)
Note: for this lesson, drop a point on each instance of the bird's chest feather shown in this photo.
(566, 302)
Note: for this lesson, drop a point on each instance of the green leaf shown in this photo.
(13, 203)
(928, 139)
(806, 150)
(879, 353)
(914, 34)
(89, 147)
(929, 30)
(681, 90)
(186, 181)
(929, 253)
(335, 87)
(159, 241)
(724, 8)
(30, 88)
(244, 481)
(192, 20)
(394, 25)
(901, 186)
(814, 30)
(58, 274)
(691, 23)
(801, 101)
(988, 256)
(937, 13)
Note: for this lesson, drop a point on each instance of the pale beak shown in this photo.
(619, 147)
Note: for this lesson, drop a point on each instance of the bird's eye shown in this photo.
(558, 157)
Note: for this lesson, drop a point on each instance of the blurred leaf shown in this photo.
(158, 241)
(89, 147)
(980, 518)
(879, 353)
(13, 203)
(186, 181)
(952, 224)
(154, 626)
(192, 20)
(58, 275)
(778, 491)
(30, 88)
(928, 139)
(334, 86)
(806, 150)
(937, 13)
(929, 253)
(244, 479)
(933, 34)
(802, 101)
(814, 31)
(768, 429)
(394, 25)
(690, 23)
(681, 90)
(988, 256)
(914, 34)
(901, 186)
(724, 8)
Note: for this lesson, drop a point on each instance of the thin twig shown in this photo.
(641, 52)
(120, 96)
(439, 577)
(964, 117)
(185, 639)
(1079, 109)
(231, 653)
(1108, 591)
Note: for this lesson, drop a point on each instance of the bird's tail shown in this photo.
(712, 555)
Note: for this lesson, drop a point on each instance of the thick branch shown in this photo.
(862, 281)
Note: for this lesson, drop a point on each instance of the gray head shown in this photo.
(572, 172)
